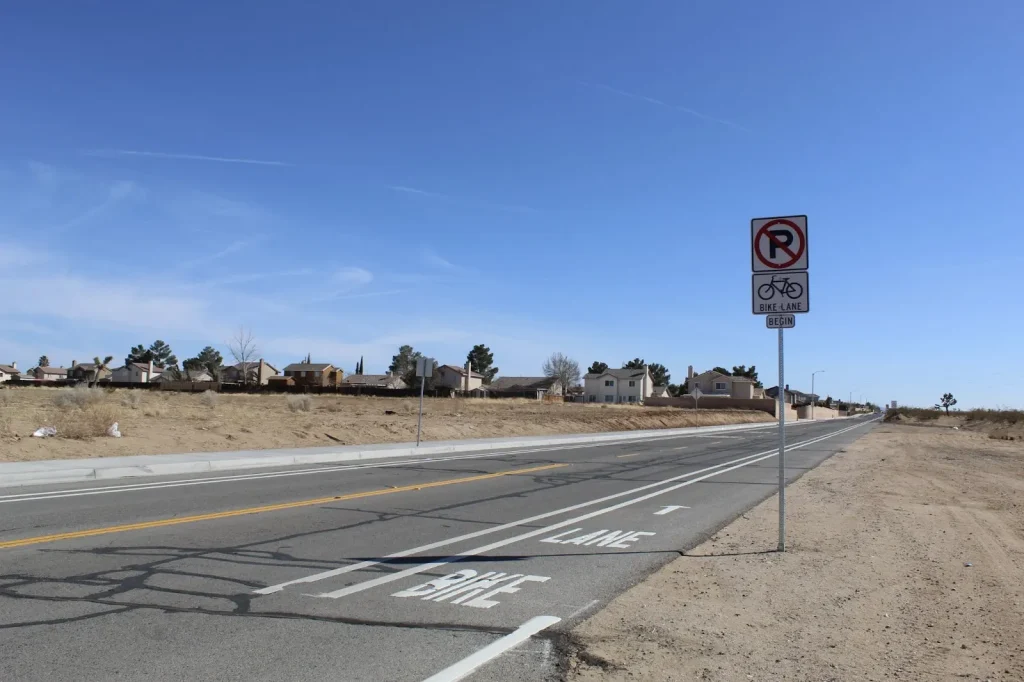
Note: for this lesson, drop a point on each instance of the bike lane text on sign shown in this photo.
(784, 292)
(779, 244)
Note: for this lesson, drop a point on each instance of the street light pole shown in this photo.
(814, 397)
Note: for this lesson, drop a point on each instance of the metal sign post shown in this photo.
(780, 288)
(696, 393)
(782, 448)
(424, 370)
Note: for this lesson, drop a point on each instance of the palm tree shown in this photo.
(99, 367)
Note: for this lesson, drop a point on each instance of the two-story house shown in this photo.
(86, 371)
(136, 373)
(712, 383)
(618, 386)
(48, 373)
(258, 373)
(459, 378)
(9, 372)
(314, 374)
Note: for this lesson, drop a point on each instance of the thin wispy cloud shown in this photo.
(184, 157)
(233, 247)
(115, 194)
(421, 192)
(352, 277)
(345, 295)
(662, 103)
(511, 208)
(434, 259)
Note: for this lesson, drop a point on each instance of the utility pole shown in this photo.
(814, 397)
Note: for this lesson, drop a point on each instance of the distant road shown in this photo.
(402, 571)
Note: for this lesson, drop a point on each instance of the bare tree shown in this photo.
(244, 350)
(565, 369)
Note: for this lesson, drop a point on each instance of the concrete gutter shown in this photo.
(78, 470)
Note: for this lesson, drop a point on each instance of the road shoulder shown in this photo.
(906, 557)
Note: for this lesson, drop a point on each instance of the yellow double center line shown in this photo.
(267, 508)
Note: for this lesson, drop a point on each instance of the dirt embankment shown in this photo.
(155, 422)
(906, 562)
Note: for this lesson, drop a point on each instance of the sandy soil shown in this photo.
(166, 422)
(906, 562)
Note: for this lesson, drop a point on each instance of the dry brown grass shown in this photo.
(300, 403)
(90, 421)
(167, 422)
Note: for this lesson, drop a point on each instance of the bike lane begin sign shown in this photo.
(778, 244)
(776, 293)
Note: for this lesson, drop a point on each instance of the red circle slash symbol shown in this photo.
(776, 243)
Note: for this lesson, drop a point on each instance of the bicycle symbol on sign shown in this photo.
(782, 285)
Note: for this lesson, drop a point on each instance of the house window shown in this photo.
(593, 398)
(632, 398)
(609, 399)
(721, 386)
(609, 382)
(632, 384)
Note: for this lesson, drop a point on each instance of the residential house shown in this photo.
(792, 397)
(314, 374)
(9, 372)
(136, 373)
(459, 378)
(660, 392)
(388, 381)
(85, 372)
(618, 386)
(713, 383)
(196, 376)
(48, 373)
(259, 372)
(530, 386)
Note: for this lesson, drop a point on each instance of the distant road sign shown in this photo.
(780, 293)
(780, 321)
(778, 244)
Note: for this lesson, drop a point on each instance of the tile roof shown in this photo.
(383, 380)
(619, 373)
(461, 371)
(521, 383)
(9, 370)
(311, 367)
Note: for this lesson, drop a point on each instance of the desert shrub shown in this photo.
(300, 403)
(132, 399)
(80, 396)
(88, 422)
(1001, 416)
(209, 399)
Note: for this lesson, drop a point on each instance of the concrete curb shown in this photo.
(73, 471)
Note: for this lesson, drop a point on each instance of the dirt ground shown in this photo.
(170, 422)
(906, 562)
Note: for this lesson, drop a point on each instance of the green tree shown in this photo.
(44, 361)
(597, 367)
(659, 374)
(481, 360)
(742, 371)
(635, 363)
(208, 360)
(98, 367)
(828, 401)
(360, 369)
(722, 370)
(159, 352)
(947, 402)
(404, 362)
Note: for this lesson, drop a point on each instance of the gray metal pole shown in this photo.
(782, 449)
(814, 398)
(419, 422)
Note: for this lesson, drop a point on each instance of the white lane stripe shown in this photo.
(486, 531)
(383, 580)
(132, 487)
(468, 665)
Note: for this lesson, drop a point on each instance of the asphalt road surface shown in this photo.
(436, 569)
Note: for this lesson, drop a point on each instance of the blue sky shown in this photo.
(576, 176)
